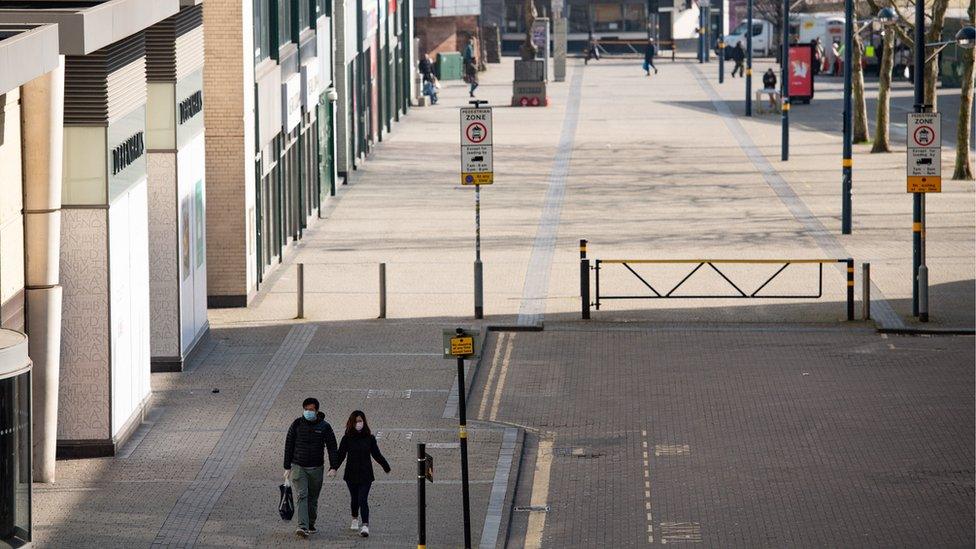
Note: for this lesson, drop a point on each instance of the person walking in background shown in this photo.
(592, 50)
(308, 438)
(359, 445)
(739, 57)
(429, 80)
(818, 56)
(649, 52)
(470, 66)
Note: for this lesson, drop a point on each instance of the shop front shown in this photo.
(177, 183)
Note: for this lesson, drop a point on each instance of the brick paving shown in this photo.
(764, 437)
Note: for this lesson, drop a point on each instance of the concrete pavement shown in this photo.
(642, 167)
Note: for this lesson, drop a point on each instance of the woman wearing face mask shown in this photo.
(360, 445)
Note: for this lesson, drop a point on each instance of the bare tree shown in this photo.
(905, 28)
(964, 167)
(881, 142)
(860, 105)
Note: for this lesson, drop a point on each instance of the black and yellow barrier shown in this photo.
(699, 264)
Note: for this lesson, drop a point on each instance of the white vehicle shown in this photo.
(763, 39)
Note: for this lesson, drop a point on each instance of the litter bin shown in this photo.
(449, 66)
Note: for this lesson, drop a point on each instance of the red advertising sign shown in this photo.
(801, 72)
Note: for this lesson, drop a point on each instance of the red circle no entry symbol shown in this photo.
(924, 136)
(476, 132)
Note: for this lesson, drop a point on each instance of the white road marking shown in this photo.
(540, 494)
(647, 489)
(501, 381)
(492, 372)
(672, 449)
(687, 532)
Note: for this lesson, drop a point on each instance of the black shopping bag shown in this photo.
(286, 505)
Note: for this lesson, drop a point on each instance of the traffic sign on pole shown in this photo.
(924, 152)
(476, 150)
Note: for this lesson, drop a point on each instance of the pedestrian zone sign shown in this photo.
(476, 149)
(924, 162)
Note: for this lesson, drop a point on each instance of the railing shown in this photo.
(712, 264)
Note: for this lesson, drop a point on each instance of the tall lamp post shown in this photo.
(749, 60)
(721, 41)
(847, 164)
(784, 63)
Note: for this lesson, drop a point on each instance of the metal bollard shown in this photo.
(850, 289)
(382, 290)
(923, 293)
(584, 281)
(301, 290)
(866, 291)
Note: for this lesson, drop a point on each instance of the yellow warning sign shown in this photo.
(462, 346)
(483, 178)
(925, 184)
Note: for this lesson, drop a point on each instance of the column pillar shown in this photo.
(42, 104)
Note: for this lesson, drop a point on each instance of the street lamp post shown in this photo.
(749, 60)
(785, 82)
(721, 41)
(847, 164)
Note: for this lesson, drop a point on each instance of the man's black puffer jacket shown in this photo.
(307, 441)
(362, 450)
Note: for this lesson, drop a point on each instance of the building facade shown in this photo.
(176, 166)
(31, 81)
(299, 91)
(104, 385)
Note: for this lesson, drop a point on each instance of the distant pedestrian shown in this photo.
(769, 84)
(836, 50)
(308, 438)
(739, 57)
(471, 77)
(818, 56)
(592, 50)
(360, 446)
(468, 55)
(649, 52)
(429, 80)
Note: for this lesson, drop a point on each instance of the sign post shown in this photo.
(924, 174)
(461, 344)
(477, 169)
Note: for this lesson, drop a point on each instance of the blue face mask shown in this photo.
(310, 414)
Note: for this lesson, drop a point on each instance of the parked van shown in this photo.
(763, 39)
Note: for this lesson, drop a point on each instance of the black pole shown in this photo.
(749, 60)
(918, 227)
(701, 33)
(785, 82)
(584, 282)
(721, 41)
(847, 164)
(707, 32)
(463, 435)
(850, 289)
(421, 496)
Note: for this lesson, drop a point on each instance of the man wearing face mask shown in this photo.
(308, 438)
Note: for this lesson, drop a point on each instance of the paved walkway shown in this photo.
(653, 167)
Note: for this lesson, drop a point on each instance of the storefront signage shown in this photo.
(191, 106)
(311, 85)
(127, 152)
(291, 102)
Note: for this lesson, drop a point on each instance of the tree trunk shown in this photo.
(861, 134)
(964, 167)
(884, 88)
(934, 34)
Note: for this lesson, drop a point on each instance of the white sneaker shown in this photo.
(364, 531)
(355, 524)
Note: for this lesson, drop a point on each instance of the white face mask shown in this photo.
(359, 425)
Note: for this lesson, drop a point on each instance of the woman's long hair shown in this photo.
(351, 423)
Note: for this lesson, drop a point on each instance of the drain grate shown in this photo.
(530, 508)
(576, 452)
(671, 449)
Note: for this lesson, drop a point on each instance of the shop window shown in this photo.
(301, 17)
(262, 30)
(607, 18)
(284, 22)
(635, 19)
(579, 19)
(15, 460)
